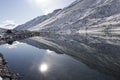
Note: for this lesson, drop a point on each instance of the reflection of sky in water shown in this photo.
(38, 64)
(14, 45)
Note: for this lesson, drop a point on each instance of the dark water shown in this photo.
(66, 57)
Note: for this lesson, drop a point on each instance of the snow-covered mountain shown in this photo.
(2, 33)
(93, 15)
(36, 21)
(2, 30)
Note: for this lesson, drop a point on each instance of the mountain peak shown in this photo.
(81, 15)
(36, 20)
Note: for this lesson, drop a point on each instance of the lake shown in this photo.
(64, 57)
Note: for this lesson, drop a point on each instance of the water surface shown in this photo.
(65, 57)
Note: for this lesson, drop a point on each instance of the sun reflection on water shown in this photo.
(43, 67)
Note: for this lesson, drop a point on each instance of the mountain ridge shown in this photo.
(97, 15)
(36, 20)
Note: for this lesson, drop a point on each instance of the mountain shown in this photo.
(36, 21)
(93, 15)
(2, 32)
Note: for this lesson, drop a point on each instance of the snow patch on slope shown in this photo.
(83, 15)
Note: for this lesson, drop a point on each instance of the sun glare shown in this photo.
(43, 67)
(42, 2)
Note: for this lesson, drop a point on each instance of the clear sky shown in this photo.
(14, 12)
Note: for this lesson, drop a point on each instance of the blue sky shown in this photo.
(15, 12)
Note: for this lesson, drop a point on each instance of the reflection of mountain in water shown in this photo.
(99, 52)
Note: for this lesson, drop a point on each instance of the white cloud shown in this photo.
(48, 6)
(8, 24)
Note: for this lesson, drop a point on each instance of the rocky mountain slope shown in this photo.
(36, 21)
(91, 15)
(2, 31)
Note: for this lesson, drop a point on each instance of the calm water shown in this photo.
(67, 57)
